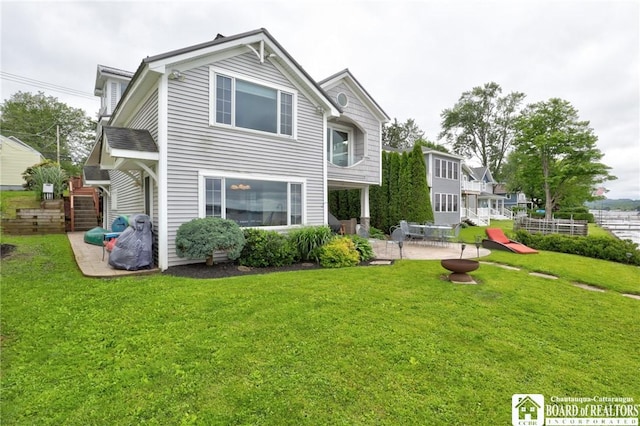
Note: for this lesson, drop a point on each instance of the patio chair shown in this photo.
(453, 235)
(410, 230)
(499, 241)
(397, 237)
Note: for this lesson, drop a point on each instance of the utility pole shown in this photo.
(58, 141)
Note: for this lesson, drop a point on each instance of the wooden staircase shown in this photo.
(84, 206)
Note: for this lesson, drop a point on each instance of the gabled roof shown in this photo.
(483, 172)
(269, 49)
(355, 86)
(17, 142)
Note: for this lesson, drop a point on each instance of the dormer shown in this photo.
(111, 84)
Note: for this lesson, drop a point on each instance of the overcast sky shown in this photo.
(415, 58)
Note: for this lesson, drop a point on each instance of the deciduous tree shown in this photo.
(555, 157)
(481, 125)
(401, 135)
(35, 119)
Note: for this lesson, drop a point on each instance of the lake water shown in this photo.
(623, 224)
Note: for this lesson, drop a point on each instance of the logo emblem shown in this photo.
(527, 410)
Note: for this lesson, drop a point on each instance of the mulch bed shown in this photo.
(6, 250)
(223, 270)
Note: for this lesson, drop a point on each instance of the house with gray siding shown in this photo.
(232, 128)
(443, 179)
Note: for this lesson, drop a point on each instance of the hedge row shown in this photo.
(200, 238)
(600, 247)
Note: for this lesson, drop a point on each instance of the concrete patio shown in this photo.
(90, 260)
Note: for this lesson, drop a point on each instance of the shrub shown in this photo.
(45, 172)
(376, 233)
(306, 241)
(575, 216)
(363, 247)
(339, 253)
(600, 247)
(199, 238)
(266, 248)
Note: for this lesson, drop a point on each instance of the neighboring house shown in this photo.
(511, 199)
(15, 157)
(231, 128)
(443, 179)
(480, 203)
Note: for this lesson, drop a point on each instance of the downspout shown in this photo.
(163, 222)
(325, 168)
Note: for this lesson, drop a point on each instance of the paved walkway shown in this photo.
(90, 261)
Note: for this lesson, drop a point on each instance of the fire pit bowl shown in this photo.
(459, 269)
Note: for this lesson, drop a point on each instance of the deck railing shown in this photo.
(552, 226)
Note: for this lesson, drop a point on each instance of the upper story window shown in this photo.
(446, 169)
(340, 146)
(238, 102)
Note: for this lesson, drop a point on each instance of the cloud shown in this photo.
(414, 57)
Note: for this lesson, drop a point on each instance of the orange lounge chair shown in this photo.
(497, 240)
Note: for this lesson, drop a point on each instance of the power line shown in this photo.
(43, 84)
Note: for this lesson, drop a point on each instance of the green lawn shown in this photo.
(383, 345)
(12, 200)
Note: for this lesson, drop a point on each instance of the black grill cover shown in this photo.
(133, 250)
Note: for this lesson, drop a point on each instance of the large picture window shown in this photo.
(252, 202)
(249, 105)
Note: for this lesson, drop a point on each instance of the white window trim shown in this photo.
(441, 199)
(217, 174)
(213, 71)
(350, 146)
(445, 167)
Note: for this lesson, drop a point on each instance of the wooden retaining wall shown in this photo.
(49, 220)
(554, 226)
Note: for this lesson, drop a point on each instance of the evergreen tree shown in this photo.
(406, 205)
(395, 214)
(419, 187)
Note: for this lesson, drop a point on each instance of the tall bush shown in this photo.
(266, 248)
(200, 238)
(46, 172)
(306, 241)
(420, 195)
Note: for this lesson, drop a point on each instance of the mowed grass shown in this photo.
(369, 345)
(12, 200)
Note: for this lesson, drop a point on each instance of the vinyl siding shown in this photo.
(14, 160)
(194, 145)
(130, 194)
(441, 185)
(369, 170)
